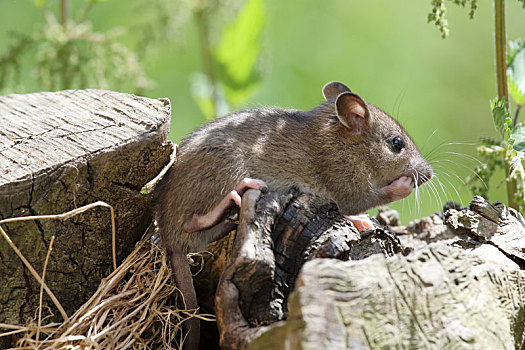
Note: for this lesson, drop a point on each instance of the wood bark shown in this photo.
(465, 289)
(450, 280)
(276, 235)
(62, 150)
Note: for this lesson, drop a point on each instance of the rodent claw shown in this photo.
(235, 197)
(250, 183)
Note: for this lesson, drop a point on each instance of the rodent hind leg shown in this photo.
(215, 216)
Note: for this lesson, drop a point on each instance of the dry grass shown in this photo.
(133, 308)
(129, 310)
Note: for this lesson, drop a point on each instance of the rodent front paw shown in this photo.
(400, 188)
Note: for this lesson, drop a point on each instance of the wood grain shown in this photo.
(62, 150)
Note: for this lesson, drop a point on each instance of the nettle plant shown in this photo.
(67, 53)
(506, 152)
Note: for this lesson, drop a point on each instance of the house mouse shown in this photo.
(346, 150)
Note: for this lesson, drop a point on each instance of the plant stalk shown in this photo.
(516, 114)
(207, 58)
(503, 91)
(63, 12)
(501, 49)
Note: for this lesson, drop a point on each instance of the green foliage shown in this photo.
(438, 13)
(72, 55)
(516, 70)
(494, 153)
(67, 53)
(209, 98)
(491, 152)
(501, 118)
(230, 67)
(10, 63)
(513, 138)
(518, 135)
(517, 327)
(238, 51)
(510, 148)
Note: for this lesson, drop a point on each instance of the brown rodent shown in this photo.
(346, 150)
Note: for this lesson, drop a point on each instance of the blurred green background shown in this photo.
(439, 89)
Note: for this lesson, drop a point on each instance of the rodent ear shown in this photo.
(332, 89)
(352, 111)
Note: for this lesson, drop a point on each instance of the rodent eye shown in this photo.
(397, 144)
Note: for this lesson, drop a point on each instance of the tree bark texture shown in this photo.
(460, 287)
(450, 280)
(276, 235)
(62, 150)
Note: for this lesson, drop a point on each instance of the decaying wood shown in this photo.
(495, 224)
(59, 151)
(276, 235)
(448, 281)
(439, 297)
(465, 290)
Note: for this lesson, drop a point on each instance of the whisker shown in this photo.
(399, 100)
(435, 149)
(433, 200)
(466, 167)
(445, 144)
(416, 194)
(472, 143)
(454, 188)
(435, 191)
(442, 188)
(445, 172)
(467, 156)
(428, 139)
(445, 184)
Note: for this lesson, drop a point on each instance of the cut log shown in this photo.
(62, 150)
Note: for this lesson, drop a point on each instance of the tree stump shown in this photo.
(62, 150)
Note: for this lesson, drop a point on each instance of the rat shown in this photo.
(345, 150)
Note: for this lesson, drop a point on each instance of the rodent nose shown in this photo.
(425, 173)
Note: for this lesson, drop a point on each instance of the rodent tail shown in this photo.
(184, 281)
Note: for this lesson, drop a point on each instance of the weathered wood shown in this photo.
(62, 150)
(466, 291)
(439, 297)
(276, 235)
(492, 223)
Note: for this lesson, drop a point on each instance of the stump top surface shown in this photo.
(41, 130)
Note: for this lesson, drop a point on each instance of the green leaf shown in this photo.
(40, 3)
(516, 148)
(516, 71)
(238, 50)
(516, 165)
(518, 134)
(500, 115)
